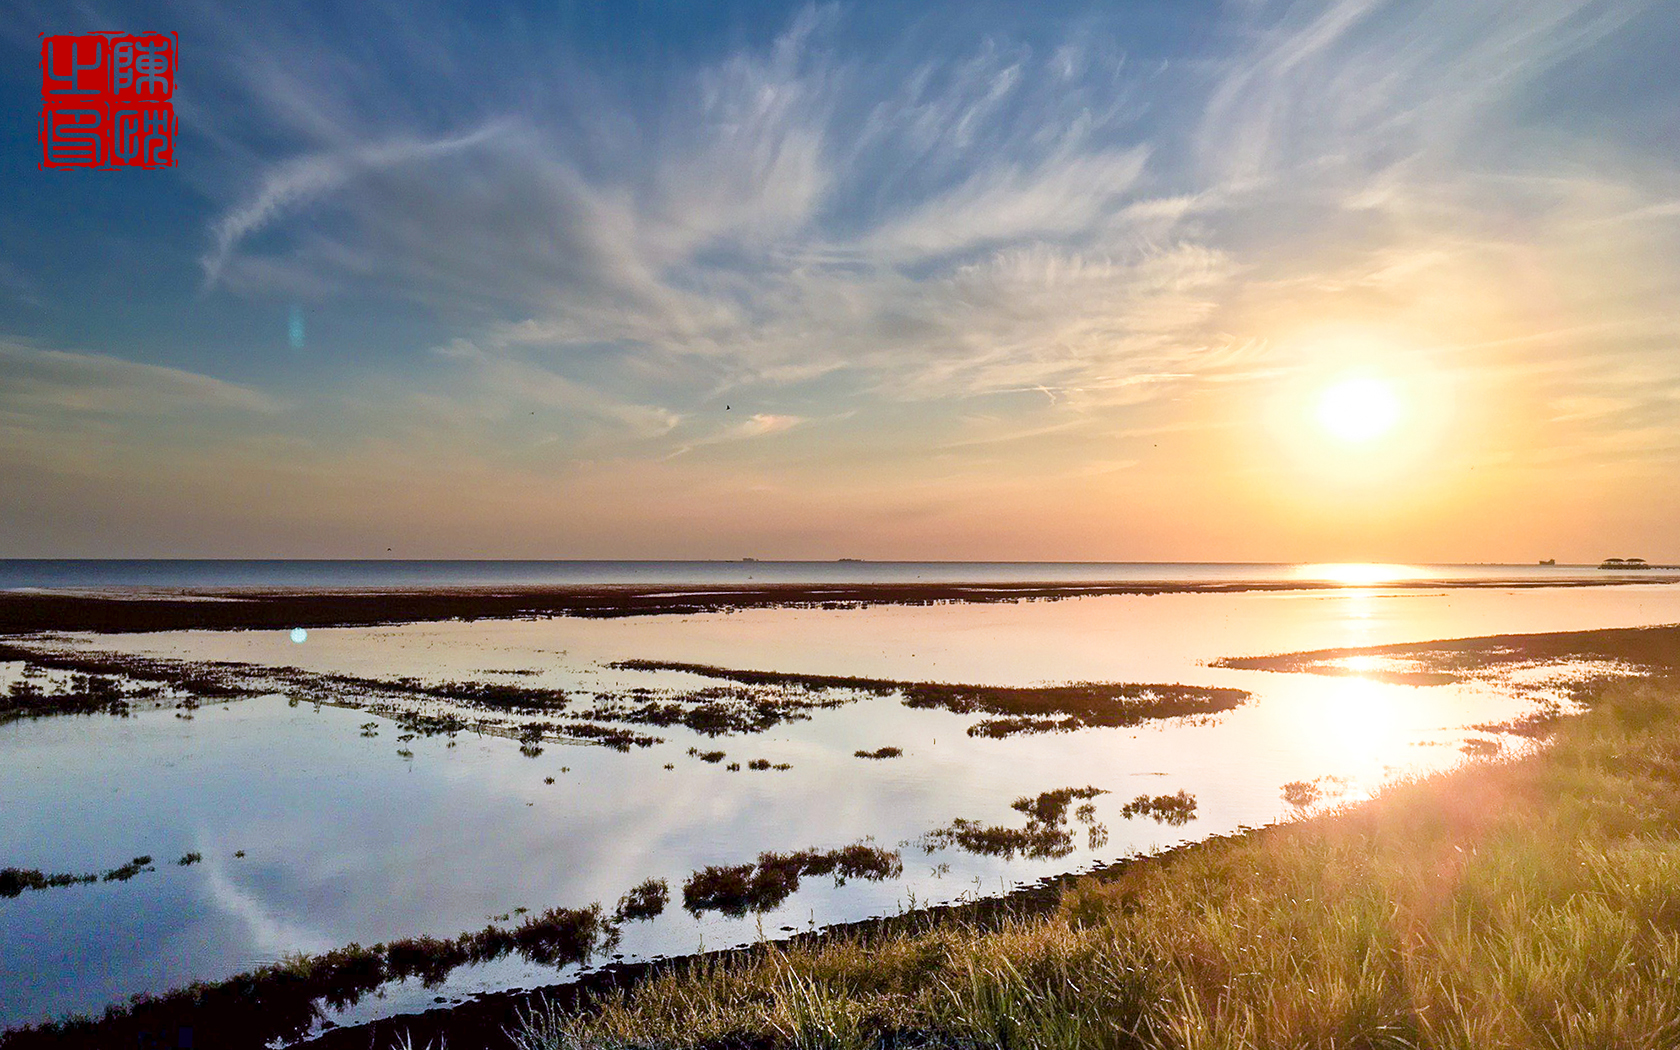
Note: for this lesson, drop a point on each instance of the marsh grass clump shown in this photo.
(614, 737)
(713, 711)
(1050, 807)
(706, 756)
(282, 1001)
(759, 763)
(14, 881)
(1063, 708)
(1481, 747)
(1016, 709)
(1036, 841)
(1016, 725)
(1176, 809)
(1044, 838)
(1301, 793)
(129, 870)
(1527, 903)
(497, 696)
(735, 889)
(879, 753)
(719, 887)
(645, 900)
(83, 695)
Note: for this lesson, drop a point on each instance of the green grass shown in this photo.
(1524, 902)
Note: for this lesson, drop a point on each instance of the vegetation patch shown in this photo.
(84, 695)
(1017, 709)
(1037, 841)
(14, 881)
(1634, 649)
(713, 711)
(646, 900)
(1045, 836)
(736, 889)
(879, 753)
(280, 1002)
(1301, 793)
(1177, 809)
(1050, 807)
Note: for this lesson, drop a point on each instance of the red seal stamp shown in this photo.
(106, 100)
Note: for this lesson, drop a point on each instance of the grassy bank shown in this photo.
(1531, 902)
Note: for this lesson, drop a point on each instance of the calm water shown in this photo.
(402, 573)
(346, 840)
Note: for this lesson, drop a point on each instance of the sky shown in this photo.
(965, 280)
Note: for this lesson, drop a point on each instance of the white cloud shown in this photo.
(976, 224)
(53, 383)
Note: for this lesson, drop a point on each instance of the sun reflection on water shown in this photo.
(1359, 721)
(1358, 664)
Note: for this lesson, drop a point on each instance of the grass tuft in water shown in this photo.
(735, 889)
(83, 695)
(1050, 807)
(1177, 809)
(646, 900)
(280, 1002)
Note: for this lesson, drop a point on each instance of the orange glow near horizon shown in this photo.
(1358, 574)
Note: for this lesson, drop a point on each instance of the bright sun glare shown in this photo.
(1359, 409)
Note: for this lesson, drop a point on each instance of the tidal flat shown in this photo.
(401, 785)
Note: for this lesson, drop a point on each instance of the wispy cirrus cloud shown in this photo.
(53, 384)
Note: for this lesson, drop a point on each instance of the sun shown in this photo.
(1358, 410)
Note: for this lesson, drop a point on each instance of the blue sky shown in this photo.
(863, 279)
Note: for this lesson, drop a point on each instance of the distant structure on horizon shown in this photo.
(1624, 563)
(1548, 561)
